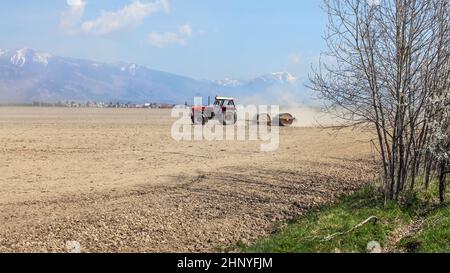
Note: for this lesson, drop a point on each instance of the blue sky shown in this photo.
(203, 39)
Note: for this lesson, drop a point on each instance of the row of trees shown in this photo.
(387, 65)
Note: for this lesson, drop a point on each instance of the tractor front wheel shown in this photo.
(198, 118)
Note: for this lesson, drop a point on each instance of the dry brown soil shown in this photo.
(115, 181)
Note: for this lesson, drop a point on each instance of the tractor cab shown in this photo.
(224, 103)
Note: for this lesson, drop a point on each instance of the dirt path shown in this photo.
(115, 181)
(403, 232)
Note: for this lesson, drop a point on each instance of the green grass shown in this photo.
(434, 235)
(307, 233)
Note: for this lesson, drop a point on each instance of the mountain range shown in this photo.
(28, 75)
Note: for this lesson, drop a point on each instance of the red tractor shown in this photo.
(223, 109)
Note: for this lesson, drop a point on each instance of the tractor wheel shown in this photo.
(229, 118)
(263, 119)
(198, 118)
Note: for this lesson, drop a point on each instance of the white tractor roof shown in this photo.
(224, 98)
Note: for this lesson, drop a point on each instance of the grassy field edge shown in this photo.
(362, 223)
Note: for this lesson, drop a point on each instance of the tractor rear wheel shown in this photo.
(229, 118)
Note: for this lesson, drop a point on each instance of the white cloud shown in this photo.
(171, 38)
(73, 15)
(295, 59)
(130, 15)
(186, 30)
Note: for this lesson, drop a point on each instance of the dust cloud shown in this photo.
(310, 116)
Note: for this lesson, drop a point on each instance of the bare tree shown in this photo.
(438, 111)
(386, 60)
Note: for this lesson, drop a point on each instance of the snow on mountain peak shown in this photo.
(2, 52)
(273, 78)
(41, 58)
(284, 77)
(21, 56)
(227, 82)
(130, 68)
(277, 78)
